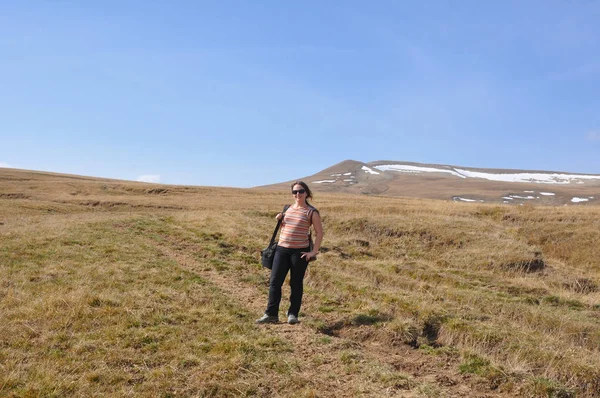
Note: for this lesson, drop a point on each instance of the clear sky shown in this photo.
(246, 93)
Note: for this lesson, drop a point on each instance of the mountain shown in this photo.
(463, 184)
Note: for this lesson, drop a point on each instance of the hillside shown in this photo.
(463, 184)
(115, 288)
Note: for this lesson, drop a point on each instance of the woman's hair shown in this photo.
(306, 188)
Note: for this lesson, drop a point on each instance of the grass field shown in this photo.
(110, 288)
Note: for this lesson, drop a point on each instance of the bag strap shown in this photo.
(278, 224)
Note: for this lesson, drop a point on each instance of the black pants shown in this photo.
(287, 260)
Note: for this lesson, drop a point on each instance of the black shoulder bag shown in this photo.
(267, 254)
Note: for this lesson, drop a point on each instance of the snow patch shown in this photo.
(538, 178)
(369, 170)
(458, 198)
(547, 193)
(415, 169)
(578, 200)
(522, 197)
(323, 181)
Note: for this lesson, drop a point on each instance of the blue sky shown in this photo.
(240, 93)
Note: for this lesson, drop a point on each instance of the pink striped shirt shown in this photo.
(295, 226)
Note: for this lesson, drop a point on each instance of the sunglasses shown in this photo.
(300, 191)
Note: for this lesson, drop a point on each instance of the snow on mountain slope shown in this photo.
(456, 183)
(538, 178)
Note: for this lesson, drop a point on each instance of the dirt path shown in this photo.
(426, 375)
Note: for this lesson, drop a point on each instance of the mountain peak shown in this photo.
(466, 184)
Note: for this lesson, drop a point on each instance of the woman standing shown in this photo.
(293, 253)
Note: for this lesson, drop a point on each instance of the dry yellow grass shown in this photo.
(116, 288)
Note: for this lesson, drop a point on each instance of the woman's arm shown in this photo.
(318, 232)
(316, 221)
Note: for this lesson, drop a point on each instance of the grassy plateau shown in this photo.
(113, 288)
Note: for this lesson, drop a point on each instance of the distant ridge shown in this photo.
(456, 183)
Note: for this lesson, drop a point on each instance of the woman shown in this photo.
(293, 253)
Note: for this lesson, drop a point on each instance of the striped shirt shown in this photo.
(295, 226)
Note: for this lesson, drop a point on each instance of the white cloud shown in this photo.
(593, 136)
(2, 164)
(154, 178)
